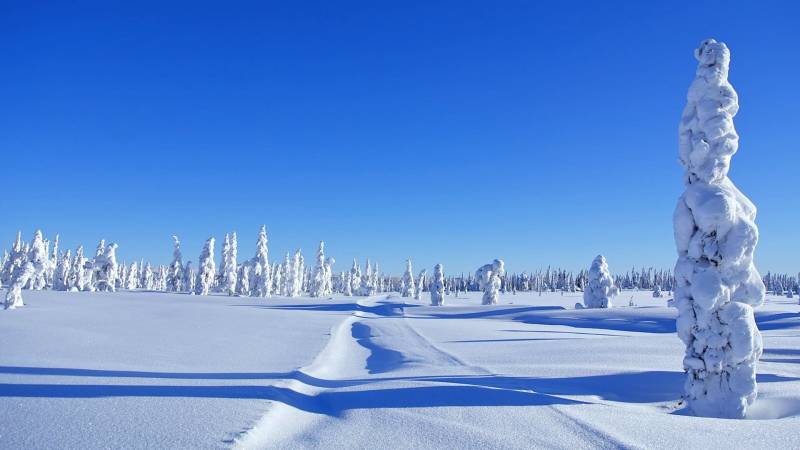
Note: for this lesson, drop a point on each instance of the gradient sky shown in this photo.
(453, 132)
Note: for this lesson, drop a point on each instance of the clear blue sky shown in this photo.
(541, 133)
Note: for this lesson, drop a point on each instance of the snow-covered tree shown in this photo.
(132, 282)
(15, 259)
(206, 271)
(148, 279)
(229, 276)
(715, 235)
(600, 288)
(223, 264)
(657, 292)
(437, 286)
(54, 260)
(347, 287)
(61, 274)
(420, 283)
(189, 278)
(77, 276)
(243, 282)
(368, 280)
(294, 275)
(105, 270)
(175, 273)
(35, 263)
(318, 273)
(262, 272)
(489, 278)
(407, 283)
(328, 278)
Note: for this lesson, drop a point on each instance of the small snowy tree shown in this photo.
(600, 288)
(715, 235)
(437, 286)
(78, 278)
(657, 292)
(262, 272)
(328, 278)
(489, 278)
(294, 274)
(148, 279)
(175, 273)
(407, 283)
(206, 271)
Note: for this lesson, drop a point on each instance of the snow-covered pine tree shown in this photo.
(61, 274)
(148, 281)
(368, 280)
(35, 264)
(229, 276)
(489, 278)
(715, 235)
(223, 264)
(105, 270)
(600, 289)
(657, 292)
(175, 273)
(318, 273)
(162, 278)
(437, 286)
(286, 269)
(78, 278)
(262, 272)
(407, 283)
(189, 278)
(243, 281)
(15, 259)
(206, 271)
(347, 287)
(328, 280)
(132, 282)
(355, 278)
(293, 279)
(420, 283)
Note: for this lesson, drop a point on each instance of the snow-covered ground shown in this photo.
(155, 370)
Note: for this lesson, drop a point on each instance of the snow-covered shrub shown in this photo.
(175, 273)
(407, 283)
(657, 292)
(489, 278)
(600, 287)
(437, 286)
(206, 270)
(715, 236)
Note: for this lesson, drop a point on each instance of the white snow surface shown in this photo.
(137, 369)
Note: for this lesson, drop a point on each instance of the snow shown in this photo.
(136, 369)
(715, 235)
(600, 289)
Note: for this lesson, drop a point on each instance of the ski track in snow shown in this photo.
(378, 320)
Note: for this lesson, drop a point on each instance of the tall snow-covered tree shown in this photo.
(600, 289)
(715, 235)
(78, 278)
(148, 278)
(15, 259)
(206, 270)
(105, 270)
(61, 274)
(489, 278)
(175, 273)
(420, 283)
(328, 285)
(132, 282)
(230, 274)
(437, 286)
(294, 271)
(222, 283)
(318, 273)
(189, 278)
(262, 272)
(407, 283)
(35, 264)
(243, 281)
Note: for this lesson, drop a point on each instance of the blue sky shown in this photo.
(453, 132)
